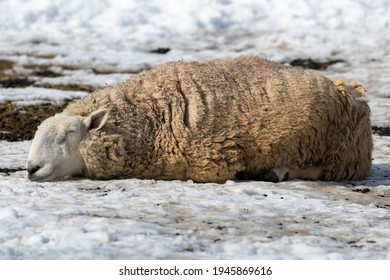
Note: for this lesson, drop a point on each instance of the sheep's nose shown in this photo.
(32, 170)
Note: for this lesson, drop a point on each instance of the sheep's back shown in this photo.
(259, 106)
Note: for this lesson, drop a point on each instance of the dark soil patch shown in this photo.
(20, 123)
(43, 70)
(25, 82)
(46, 66)
(46, 73)
(12, 81)
(108, 72)
(381, 131)
(8, 171)
(366, 190)
(161, 50)
(72, 87)
(313, 64)
(16, 83)
(4, 66)
(45, 56)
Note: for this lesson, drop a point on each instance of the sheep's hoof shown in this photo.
(271, 176)
(274, 176)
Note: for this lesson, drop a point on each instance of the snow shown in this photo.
(148, 219)
(35, 95)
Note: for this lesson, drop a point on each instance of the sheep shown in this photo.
(246, 118)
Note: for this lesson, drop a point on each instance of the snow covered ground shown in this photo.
(94, 43)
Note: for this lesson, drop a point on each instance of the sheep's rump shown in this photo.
(213, 120)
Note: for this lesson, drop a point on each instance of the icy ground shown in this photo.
(94, 43)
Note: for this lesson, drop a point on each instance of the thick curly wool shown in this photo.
(220, 119)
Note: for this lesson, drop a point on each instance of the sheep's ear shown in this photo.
(97, 119)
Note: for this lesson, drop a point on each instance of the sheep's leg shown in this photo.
(286, 173)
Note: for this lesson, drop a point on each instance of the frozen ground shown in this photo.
(94, 43)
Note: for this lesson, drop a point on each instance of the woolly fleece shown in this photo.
(226, 119)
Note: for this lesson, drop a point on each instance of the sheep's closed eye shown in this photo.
(62, 139)
(67, 134)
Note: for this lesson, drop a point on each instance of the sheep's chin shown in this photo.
(48, 174)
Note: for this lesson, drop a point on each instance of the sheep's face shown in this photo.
(54, 151)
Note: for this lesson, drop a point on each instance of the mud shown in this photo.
(19, 123)
(314, 64)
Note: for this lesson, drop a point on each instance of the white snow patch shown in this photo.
(34, 95)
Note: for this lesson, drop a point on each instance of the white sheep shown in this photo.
(243, 118)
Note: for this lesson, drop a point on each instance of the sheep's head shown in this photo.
(54, 151)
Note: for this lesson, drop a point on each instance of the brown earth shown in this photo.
(20, 122)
